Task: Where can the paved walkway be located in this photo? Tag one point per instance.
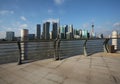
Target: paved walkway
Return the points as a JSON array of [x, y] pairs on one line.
[[95, 69]]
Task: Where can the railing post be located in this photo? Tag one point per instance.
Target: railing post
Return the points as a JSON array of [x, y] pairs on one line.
[[105, 45], [19, 58], [85, 48], [57, 49], [114, 39]]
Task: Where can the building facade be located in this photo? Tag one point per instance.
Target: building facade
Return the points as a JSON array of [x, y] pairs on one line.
[[10, 35], [46, 28], [54, 31], [84, 34], [38, 31]]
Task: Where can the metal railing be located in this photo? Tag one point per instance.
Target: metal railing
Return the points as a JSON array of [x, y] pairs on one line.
[[37, 50], [9, 52]]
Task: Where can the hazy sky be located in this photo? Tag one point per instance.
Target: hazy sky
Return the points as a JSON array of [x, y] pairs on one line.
[[18, 14]]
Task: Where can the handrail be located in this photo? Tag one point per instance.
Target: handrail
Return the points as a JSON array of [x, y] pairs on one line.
[[42, 50], [105, 45]]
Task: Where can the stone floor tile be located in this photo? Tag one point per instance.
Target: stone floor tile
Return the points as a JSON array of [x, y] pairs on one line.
[[55, 78], [3, 81], [45, 81], [73, 81]]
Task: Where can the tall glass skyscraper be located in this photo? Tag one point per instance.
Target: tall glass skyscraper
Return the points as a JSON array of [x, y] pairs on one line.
[[84, 34], [62, 32], [46, 28], [38, 31], [70, 30], [10, 35], [66, 30], [54, 32]]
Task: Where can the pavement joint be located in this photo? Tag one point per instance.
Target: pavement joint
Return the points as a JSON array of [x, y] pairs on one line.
[[100, 68]]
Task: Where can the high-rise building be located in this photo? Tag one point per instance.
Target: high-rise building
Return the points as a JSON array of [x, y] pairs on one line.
[[84, 34], [46, 28], [54, 31], [70, 30], [92, 32], [62, 32], [66, 30], [10, 35], [43, 33], [80, 33], [38, 31]]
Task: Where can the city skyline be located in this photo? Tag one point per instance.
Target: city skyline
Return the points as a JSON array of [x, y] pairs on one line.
[[21, 14], [64, 32]]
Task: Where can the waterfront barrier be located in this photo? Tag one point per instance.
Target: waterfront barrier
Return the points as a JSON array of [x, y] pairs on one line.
[[38, 50]]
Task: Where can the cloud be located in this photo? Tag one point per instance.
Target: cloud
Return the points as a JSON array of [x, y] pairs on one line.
[[23, 26], [23, 18], [58, 2], [61, 12], [50, 11], [6, 12], [117, 24], [86, 25]]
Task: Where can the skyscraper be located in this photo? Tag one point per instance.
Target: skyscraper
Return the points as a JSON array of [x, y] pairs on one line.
[[92, 32], [10, 35], [80, 33], [54, 32], [38, 31], [84, 34], [43, 33], [62, 32], [71, 31], [46, 28], [66, 30]]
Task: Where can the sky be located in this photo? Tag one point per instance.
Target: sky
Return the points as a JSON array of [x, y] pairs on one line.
[[25, 14]]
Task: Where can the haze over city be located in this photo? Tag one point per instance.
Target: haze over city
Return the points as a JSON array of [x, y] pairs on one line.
[[18, 14]]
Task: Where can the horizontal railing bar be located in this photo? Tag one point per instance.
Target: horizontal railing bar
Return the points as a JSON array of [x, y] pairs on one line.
[[9, 54], [2, 42]]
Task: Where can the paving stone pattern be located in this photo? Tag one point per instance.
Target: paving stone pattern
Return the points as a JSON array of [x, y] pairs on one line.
[[100, 68]]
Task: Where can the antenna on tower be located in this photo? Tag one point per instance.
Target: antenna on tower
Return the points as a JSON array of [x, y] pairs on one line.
[[92, 31]]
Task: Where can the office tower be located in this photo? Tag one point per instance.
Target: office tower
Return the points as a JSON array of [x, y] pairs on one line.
[[80, 33], [84, 34], [38, 31], [66, 30], [46, 27], [62, 32], [43, 33], [54, 32], [74, 32], [10, 35], [70, 28], [71, 31]]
